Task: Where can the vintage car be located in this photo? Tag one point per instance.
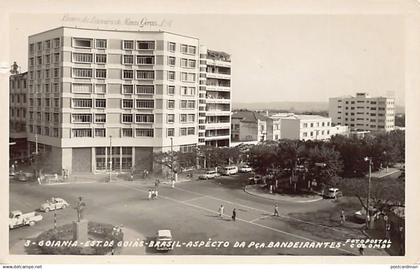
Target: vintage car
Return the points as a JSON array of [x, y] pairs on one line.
[[17, 219], [209, 174], [333, 193], [245, 169], [53, 204], [164, 240]]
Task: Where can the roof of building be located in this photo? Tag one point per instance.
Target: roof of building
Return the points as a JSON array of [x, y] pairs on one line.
[[307, 117], [112, 30], [249, 116]]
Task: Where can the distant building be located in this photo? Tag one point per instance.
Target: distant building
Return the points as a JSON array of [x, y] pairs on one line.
[[18, 94], [339, 130], [304, 127], [249, 126], [363, 113]]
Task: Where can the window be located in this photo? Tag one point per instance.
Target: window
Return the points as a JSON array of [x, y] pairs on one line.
[[56, 72], [305, 134], [145, 45], [39, 45], [145, 59], [100, 73], [82, 57], [56, 117], [145, 103], [31, 48], [191, 118], [82, 73], [171, 60], [101, 118], [56, 102], [100, 88], [82, 103], [127, 118], [31, 61], [128, 89], [191, 49], [47, 102], [183, 118], [101, 58], [127, 103], [171, 46], [56, 57], [100, 103], [82, 132], [81, 118], [191, 130], [187, 90], [46, 131], [47, 59], [100, 132], [47, 73], [101, 43], [144, 132], [141, 74], [127, 132], [184, 62], [183, 103], [191, 104], [39, 60], [170, 118], [191, 63], [184, 48], [128, 74], [183, 131], [171, 75], [170, 132], [171, 90], [82, 43], [188, 77], [171, 104], [128, 59], [55, 132], [145, 89], [144, 118], [128, 44]]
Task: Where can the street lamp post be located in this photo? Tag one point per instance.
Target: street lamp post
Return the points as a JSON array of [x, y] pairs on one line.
[[172, 158], [368, 159], [110, 158]]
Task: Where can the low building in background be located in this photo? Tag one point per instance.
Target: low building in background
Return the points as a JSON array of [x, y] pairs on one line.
[[305, 127], [249, 126], [340, 130]]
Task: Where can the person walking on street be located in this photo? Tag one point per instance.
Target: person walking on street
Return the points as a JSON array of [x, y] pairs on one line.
[[361, 251], [234, 214], [156, 194], [173, 183], [221, 209], [276, 210], [342, 217], [149, 195]]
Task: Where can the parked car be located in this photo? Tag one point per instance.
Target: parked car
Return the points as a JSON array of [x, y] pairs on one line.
[[229, 170], [17, 219], [209, 174], [256, 179], [333, 193], [245, 169], [164, 240], [53, 204], [361, 214]]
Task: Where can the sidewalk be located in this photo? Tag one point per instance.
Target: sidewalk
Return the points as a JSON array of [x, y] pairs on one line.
[[385, 172], [256, 190]]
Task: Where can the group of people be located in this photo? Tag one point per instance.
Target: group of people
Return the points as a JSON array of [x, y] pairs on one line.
[[222, 209], [153, 194]]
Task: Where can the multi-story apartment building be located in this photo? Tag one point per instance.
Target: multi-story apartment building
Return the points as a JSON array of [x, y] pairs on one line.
[[215, 98], [133, 92], [17, 116], [363, 113]]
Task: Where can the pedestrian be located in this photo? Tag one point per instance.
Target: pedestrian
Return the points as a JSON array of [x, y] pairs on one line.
[[156, 194], [342, 217], [234, 214], [388, 230], [361, 250], [173, 183], [149, 195], [276, 210], [221, 209], [39, 180]]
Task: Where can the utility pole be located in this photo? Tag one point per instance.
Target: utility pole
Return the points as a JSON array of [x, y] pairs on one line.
[[110, 158], [368, 159], [36, 156], [172, 158]]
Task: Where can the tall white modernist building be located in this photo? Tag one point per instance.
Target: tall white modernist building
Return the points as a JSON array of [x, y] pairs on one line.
[[363, 113], [137, 91]]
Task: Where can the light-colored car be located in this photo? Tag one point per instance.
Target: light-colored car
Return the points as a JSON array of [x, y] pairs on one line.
[[209, 174], [17, 219], [333, 193], [53, 204], [245, 169], [164, 240], [229, 170]]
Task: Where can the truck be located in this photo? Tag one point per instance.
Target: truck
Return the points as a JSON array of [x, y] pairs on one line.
[[17, 219]]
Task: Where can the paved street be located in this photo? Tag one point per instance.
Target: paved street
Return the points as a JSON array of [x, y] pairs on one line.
[[189, 210]]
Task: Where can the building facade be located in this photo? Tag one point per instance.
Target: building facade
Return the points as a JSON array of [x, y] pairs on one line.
[[101, 98], [305, 127], [18, 92], [215, 98], [250, 126], [363, 113]]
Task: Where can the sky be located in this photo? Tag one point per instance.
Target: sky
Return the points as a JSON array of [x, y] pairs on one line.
[[275, 58]]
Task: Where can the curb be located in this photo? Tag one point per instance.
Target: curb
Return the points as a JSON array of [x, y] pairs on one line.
[[280, 199]]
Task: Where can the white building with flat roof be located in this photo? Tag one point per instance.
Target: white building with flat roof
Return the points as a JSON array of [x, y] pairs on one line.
[[305, 127], [363, 113]]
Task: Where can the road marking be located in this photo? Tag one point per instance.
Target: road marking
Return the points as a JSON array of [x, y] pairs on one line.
[[264, 211], [243, 220]]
